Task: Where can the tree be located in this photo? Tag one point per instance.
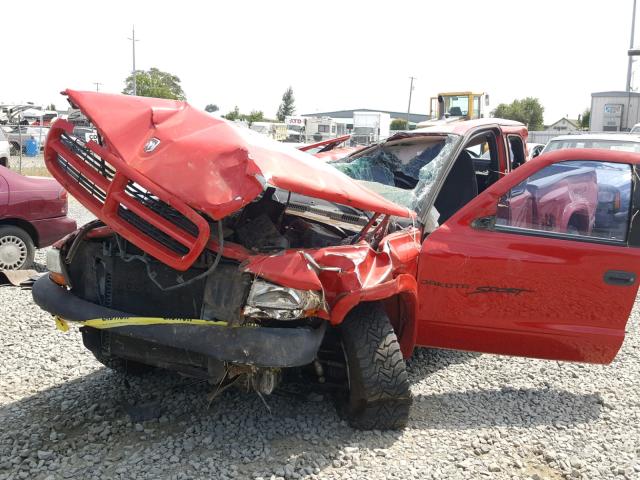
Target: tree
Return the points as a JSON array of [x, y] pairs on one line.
[[212, 107], [254, 116], [155, 83], [398, 124], [233, 114], [287, 107], [585, 119], [528, 111], [51, 106]]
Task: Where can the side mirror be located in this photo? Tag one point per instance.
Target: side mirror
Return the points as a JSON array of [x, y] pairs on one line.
[[535, 153]]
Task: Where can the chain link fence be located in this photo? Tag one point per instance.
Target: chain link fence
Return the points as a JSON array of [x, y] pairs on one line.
[[26, 143]]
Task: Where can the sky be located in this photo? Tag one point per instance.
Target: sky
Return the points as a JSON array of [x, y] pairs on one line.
[[335, 54]]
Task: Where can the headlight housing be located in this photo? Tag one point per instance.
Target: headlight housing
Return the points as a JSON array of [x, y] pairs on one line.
[[268, 300], [55, 267]]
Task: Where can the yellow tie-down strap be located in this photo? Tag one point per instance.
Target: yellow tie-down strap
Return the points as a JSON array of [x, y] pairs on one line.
[[103, 323]]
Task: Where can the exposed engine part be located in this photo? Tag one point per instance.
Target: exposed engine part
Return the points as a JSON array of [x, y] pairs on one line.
[[257, 379], [264, 380], [302, 232], [152, 275], [261, 234]]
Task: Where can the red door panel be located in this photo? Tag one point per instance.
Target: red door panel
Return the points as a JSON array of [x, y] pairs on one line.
[[517, 294]]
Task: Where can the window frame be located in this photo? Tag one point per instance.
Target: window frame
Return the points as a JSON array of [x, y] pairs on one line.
[[633, 227], [509, 150]]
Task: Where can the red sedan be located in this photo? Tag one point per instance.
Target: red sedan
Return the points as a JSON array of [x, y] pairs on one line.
[[33, 214]]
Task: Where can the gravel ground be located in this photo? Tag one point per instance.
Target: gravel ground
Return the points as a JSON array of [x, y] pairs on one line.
[[62, 415]]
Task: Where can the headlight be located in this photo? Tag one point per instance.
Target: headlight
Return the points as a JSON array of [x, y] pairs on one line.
[[268, 300], [54, 265], [54, 262]]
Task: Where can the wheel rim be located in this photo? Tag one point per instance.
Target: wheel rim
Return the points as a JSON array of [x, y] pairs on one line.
[[13, 252]]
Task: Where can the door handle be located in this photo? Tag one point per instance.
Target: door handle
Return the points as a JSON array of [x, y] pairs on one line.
[[619, 278]]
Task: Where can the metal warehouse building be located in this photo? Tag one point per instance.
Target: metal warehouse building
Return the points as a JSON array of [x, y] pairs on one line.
[[614, 111]]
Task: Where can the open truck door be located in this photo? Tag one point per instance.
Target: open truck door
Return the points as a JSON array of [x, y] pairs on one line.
[[544, 263]]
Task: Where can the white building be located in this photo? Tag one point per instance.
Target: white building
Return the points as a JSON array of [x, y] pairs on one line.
[[564, 125], [616, 111]]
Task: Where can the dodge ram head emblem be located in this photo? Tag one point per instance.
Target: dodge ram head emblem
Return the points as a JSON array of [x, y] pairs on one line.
[[151, 145]]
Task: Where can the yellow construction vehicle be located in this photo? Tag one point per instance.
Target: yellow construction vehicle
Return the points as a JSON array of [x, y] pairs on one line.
[[454, 106]]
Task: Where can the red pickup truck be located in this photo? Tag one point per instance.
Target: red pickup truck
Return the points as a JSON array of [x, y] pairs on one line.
[[565, 199], [228, 257]]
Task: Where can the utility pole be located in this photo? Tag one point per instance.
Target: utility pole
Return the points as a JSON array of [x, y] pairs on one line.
[[633, 27], [630, 65], [410, 92], [97, 84], [133, 44]]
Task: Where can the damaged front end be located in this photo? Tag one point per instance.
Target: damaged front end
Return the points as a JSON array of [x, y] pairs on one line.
[[216, 253]]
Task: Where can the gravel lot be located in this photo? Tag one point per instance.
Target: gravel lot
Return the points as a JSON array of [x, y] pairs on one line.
[[62, 415]]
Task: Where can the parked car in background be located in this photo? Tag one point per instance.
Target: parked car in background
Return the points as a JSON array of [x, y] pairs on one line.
[[614, 195], [636, 128], [33, 214], [19, 135], [5, 149], [625, 142], [534, 149]]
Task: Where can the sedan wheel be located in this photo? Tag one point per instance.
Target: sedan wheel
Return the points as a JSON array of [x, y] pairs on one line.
[[16, 248]]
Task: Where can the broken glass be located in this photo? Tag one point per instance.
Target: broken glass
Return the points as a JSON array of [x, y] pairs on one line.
[[402, 170]]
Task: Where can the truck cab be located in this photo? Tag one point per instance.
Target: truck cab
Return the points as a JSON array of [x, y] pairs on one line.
[[456, 106]]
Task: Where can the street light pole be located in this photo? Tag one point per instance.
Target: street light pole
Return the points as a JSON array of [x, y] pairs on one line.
[[97, 84], [633, 27], [133, 44], [410, 92]]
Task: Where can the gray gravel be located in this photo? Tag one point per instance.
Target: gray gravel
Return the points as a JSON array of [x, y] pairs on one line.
[[475, 416]]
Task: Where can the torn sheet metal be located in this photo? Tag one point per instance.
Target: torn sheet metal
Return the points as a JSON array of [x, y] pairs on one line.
[[342, 270], [209, 163]]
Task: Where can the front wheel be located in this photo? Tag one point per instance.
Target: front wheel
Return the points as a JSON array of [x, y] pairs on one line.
[[16, 248], [378, 394]]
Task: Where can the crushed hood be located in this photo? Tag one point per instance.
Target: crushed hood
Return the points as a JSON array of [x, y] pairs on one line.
[[211, 164]]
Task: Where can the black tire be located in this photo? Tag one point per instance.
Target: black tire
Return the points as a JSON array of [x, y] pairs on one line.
[[20, 244], [123, 366], [378, 394]]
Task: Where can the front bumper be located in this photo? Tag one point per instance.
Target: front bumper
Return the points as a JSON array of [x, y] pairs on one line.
[[259, 346]]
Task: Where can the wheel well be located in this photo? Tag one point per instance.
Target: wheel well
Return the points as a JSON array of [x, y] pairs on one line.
[[401, 311], [4, 162], [24, 225]]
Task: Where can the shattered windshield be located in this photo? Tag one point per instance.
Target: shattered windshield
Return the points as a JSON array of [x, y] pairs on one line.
[[402, 170]]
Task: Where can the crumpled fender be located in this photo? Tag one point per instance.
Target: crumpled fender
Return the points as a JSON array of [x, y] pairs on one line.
[[351, 274]]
